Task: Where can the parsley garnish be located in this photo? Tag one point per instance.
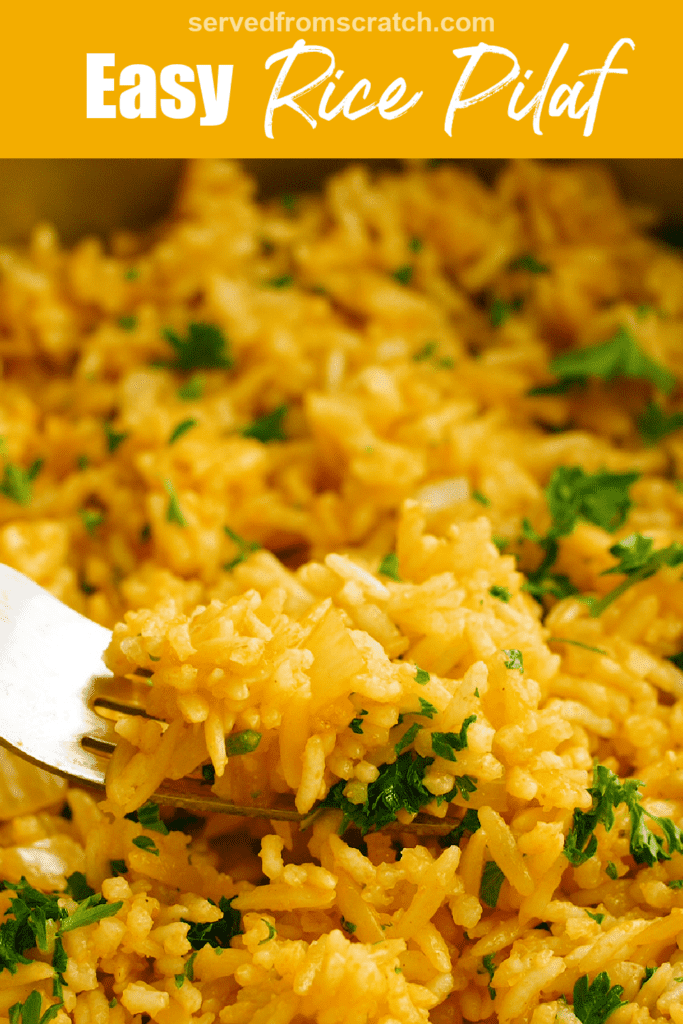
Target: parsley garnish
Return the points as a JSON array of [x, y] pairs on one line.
[[481, 498], [29, 1011], [173, 511], [421, 676], [348, 926], [148, 816], [216, 933], [16, 482], [204, 348], [514, 659], [272, 932], [575, 643], [77, 887], [620, 356], [268, 427], [501, 543], [649, 971], [492, 879], [646, 847], [599, 918], [180, 429], [501, 311], [502, 593], [427, 710], [91, 519], [426, 352], [128, 323], [114, 439], [89, 911], [208, 774], [147, 844], [187, 972], [530, 263], [132, 274], [82, 462], [118, 867], [445, 744], [490, 968], [403, 275], [408, 737], [193, 388], [356, 725], [469, 823], [415, 244], [638, 562], [389, 567], [284, 281], [288, 202], [654, 423], [399, 786], [244, 742], [244, 548], [675, 883], [594, 1003]]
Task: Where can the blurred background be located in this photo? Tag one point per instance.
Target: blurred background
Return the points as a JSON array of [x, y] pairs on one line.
[[93, 196]]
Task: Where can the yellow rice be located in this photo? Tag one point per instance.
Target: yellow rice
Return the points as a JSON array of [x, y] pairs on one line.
[[405, 407]]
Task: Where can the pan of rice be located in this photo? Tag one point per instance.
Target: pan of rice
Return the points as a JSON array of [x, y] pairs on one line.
[[380, 491]]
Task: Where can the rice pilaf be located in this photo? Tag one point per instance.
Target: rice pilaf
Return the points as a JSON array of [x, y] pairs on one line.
[[379, 491]]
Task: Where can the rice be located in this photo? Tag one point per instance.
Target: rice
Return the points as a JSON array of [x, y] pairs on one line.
[[290, 457]]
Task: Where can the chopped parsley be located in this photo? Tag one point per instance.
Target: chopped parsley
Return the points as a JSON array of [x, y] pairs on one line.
[[403, 275], [82, 462], [187, 972], [217, 933], [268, 427], [649, 971], [502, 593], [147, 844], [490, 968], [427, 710], [244, 548], [514, 659], [132, 274], [594, 1003], [192, 388], [348, 926], [117, 867], [481, 498], [501, 543], [244, 742], [283, 281], [408, 737], [208, 774], [272, 932], [637, 561], [16, 482], [421, 676], [501, 311], [607, 792], [575, 643], [598, 918], [288, 202], [399, 786], [173, 510], [205, 347], [426, 352], [675, 883], [389, 567], [89, 911], [148, 817], [113, 437], [77, 887], [128, 323], [620, 356], [611, 871], [469, 823], [180, 429], [356, 725], [530, 263], [492, 879], [445, 744], [415, 244], [28, 1012], [654, 423], [91, 519]]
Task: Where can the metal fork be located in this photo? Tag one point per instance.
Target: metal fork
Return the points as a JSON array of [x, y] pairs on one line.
[[59, 702]]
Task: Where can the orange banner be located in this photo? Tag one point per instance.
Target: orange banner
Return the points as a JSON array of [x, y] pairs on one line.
[[474, 78]]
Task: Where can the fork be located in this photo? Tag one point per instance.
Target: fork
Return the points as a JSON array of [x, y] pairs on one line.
[[59, 702]]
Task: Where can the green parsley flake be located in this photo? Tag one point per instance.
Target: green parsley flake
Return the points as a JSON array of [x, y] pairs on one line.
[[416, 244], [530, 263], [132, 274], [91, 519], [193, 388], [403, 275], [288, 202], [82, 462], [492, 879], [654, 423], [356, 725], [502, 593], [637, 561], [89, 911], [481, 498], [389, 567], [244, 548], [469, 824], [16, 482], [148, 817], [244, 742], [284, 281], [28, 1012], [426, 352], [272, 932], [180, 429], [117, 867], [427, 710], [675, 883], [445, 744], [594, 1003], [490, 968], [128, 323], [514, 659], [268, 427], [147, 844], [348, 926], [421, 676], [173, 511], [77, 887], [114, 438], [408, 737], [649, 971], [501, 311], [208, 774], [204, 348], [620, 356], [575, 643], [598, 918], [501, 543], [217, 934]]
